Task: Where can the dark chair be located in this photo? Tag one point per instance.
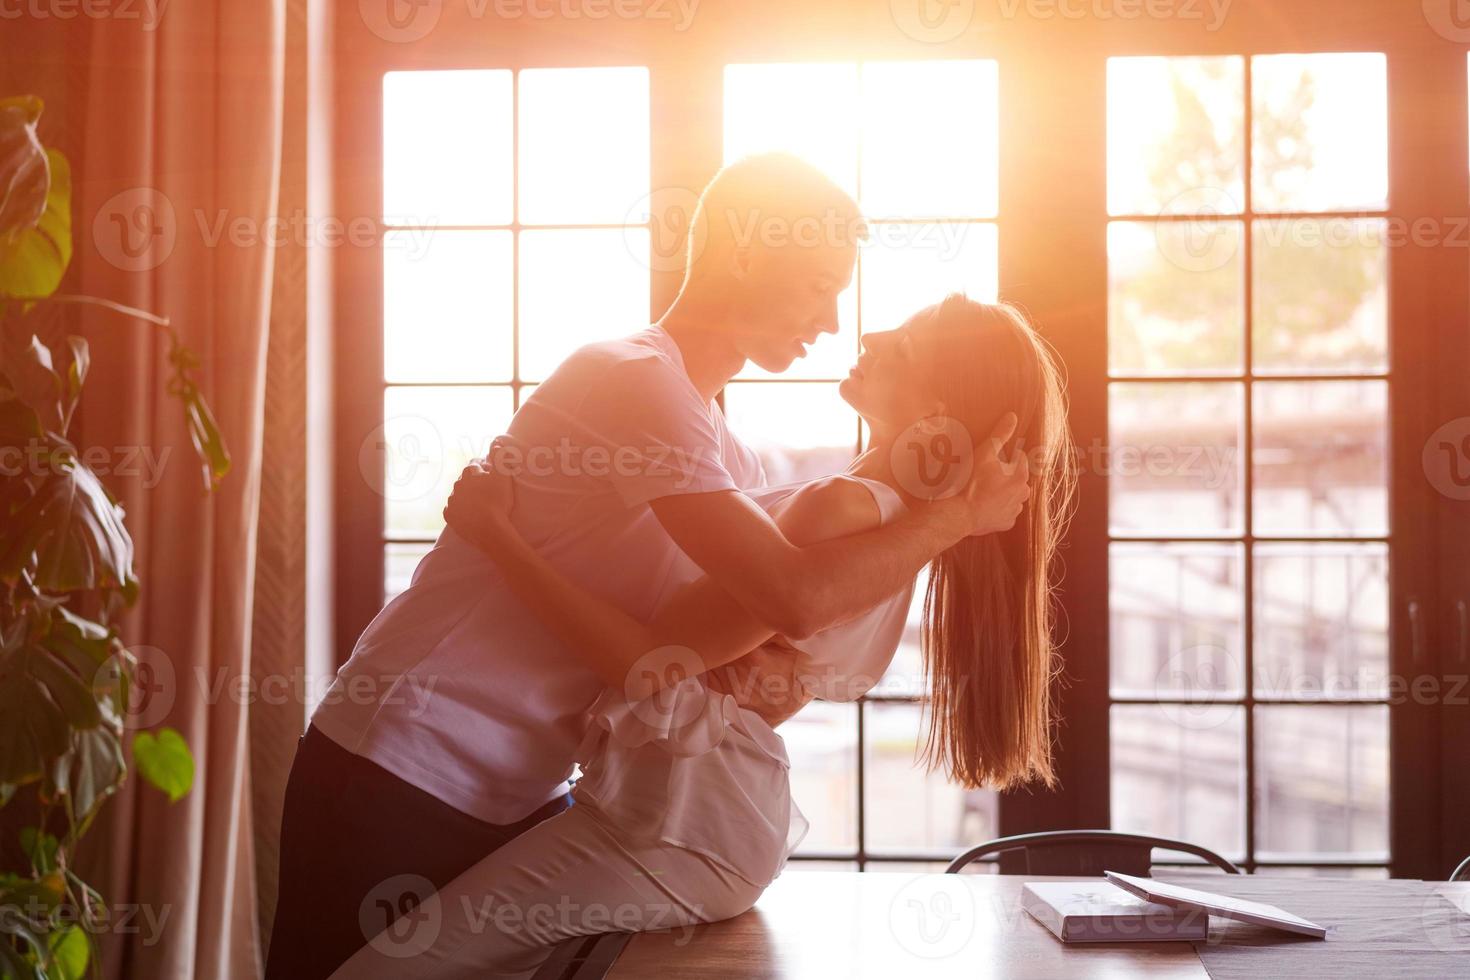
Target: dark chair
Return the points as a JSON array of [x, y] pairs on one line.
[[1085, 852], [1462, 873], [584, 957]]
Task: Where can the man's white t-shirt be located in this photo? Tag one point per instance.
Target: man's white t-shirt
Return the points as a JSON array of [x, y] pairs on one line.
[[455, 687]]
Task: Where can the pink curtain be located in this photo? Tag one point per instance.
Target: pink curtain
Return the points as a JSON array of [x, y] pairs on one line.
[[178, 170]]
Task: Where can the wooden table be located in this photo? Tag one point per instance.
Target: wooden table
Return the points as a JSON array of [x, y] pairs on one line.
[[892, 925]]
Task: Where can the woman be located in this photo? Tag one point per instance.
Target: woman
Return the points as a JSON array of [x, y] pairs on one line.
[[684, 813]]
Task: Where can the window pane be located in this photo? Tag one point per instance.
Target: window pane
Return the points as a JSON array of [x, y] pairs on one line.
[[905, 674], [801, 431], [399, 562], [937, 119], [584, 145], [1320, 297], [447, 305], [1321, 620], [1180, 775], [805, 865], [1174, 462], [1323, 783], [1322, 871], [447, 148], [1176, 297], [428, 436], [915, 867], [1176, 620], [906, 267], [908, 808], [1320, 464], [822, 743], [808, 110], [1319, 138], [578, 286], [1176, 135]]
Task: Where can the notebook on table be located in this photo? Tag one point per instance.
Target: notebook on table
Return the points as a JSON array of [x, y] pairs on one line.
[[1181, 898], [1101, 912]]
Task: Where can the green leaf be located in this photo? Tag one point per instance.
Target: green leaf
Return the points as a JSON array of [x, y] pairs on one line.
[[83, 644], [27, 366], [70, 951], [19, 423], [40, 847], [34, 899], [14, 960], [92, 651], [75, 530], [165, 761], [14, 966], [24, 175], [33, 259], [72, 693], [76, 376], [33, 730], [32, 104], [99, 771], [209, 444]]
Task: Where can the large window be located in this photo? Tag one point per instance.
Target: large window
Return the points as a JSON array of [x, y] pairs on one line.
[[872, 127], [501, 190], [1221, 231], [1248, 358]]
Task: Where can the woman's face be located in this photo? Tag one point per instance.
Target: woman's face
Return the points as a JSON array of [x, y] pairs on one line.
[[890, 386]]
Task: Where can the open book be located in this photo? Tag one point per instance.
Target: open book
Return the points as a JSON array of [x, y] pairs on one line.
[[1183, 899]]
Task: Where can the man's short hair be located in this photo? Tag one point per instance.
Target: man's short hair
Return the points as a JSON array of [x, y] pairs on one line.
[[771, 200]]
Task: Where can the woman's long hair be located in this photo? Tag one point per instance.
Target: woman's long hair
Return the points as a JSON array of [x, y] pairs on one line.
[[989, 619]]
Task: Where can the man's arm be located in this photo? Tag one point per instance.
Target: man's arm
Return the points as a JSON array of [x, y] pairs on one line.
[[709, 627], [798, 590], [765, 681]]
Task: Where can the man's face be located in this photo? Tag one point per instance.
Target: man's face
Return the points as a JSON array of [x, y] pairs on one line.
[[789, 297]]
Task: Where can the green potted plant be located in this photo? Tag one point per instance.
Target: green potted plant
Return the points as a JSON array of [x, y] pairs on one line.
[[66, 576]]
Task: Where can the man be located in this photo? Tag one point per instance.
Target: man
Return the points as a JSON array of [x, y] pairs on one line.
[[627, 461]]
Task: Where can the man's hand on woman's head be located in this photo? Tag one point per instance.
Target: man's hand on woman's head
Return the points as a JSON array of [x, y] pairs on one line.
[[999, 486], [483, 497]]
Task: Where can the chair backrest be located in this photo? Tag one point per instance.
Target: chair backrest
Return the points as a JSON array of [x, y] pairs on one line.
[[1086, 852], [583, 957], [1462, 873]]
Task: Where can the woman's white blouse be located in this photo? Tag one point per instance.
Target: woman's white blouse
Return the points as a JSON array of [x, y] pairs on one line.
[[691, 767]]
